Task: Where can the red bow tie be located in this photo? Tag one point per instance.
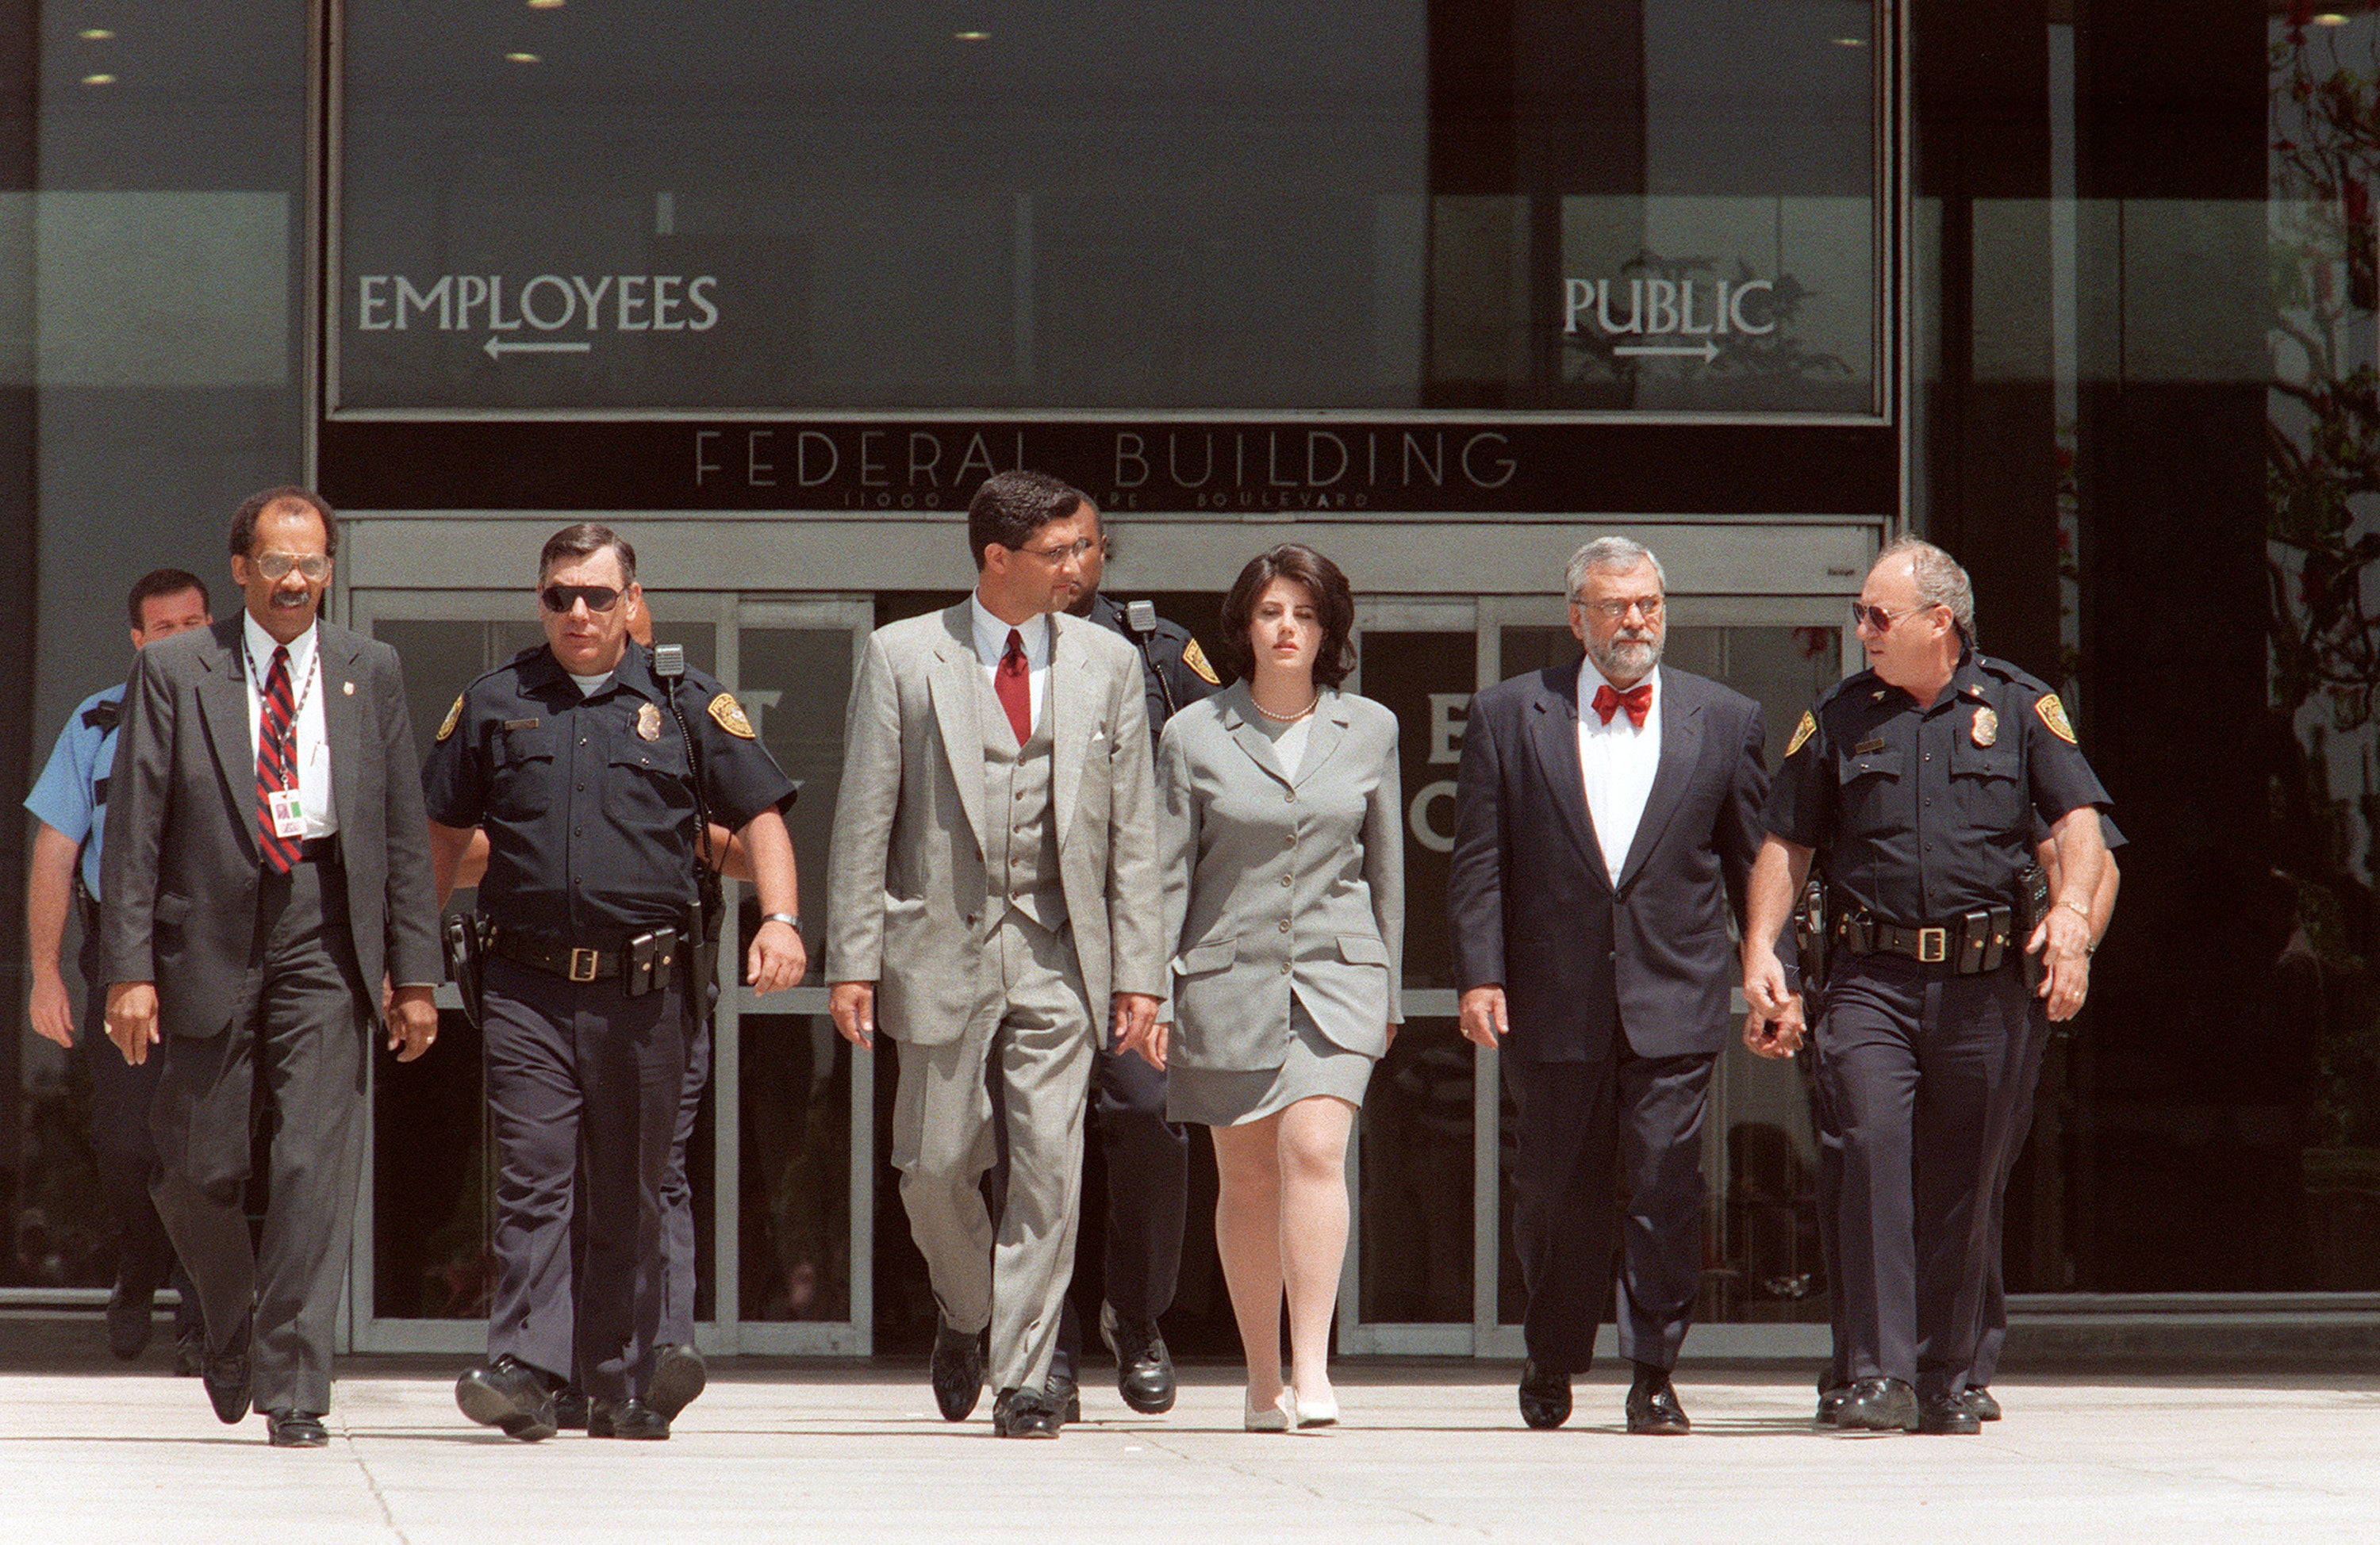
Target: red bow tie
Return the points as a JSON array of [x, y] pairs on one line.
[[1637, 700]]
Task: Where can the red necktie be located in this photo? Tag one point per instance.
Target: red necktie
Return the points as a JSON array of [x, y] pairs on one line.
[[276, 763], [1637, 700], [1014, 683]]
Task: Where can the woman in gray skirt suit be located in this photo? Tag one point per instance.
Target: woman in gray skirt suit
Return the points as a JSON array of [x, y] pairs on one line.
[[1285, 890]]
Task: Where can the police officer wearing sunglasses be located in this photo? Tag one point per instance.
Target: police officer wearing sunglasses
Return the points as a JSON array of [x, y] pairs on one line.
[[592, 779], [1915, 786]]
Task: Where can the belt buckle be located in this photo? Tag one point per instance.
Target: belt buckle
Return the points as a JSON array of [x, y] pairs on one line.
[[1933, 945], [583, 963]]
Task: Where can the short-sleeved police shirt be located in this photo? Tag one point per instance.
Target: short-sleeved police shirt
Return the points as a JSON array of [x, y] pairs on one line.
[[1920, 814], [587, 800], [71, 794], [1169, 657]]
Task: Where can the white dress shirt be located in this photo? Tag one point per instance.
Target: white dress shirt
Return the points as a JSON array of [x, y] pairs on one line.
[[1616, 762], [306, 687], [991, 642]]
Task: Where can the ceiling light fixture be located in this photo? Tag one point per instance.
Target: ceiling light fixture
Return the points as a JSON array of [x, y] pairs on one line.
[[972, 37], [1850, 42], [99, 80], [95, 34], [520, 58], [545, 4], [2331, 18]]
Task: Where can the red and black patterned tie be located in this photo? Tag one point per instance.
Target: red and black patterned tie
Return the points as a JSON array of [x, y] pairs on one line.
[[1014, 683], [276, 763]]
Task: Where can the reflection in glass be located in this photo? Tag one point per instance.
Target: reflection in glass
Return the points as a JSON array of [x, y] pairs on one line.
[[1416, 1152], [795, 1207]]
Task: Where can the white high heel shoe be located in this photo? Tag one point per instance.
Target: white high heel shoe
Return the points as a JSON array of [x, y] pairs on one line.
[[1323, 1412], [1275, 1418]]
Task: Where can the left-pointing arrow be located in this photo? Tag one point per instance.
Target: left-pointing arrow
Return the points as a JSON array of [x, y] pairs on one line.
[[497, 348]]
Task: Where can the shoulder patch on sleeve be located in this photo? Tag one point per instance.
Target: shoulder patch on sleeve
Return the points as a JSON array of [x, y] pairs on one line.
[[1803, 731], [2053, 714], [1196, 658], [729, 715], [453, 716]]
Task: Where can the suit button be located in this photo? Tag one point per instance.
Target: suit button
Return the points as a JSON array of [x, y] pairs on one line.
[[1284, 925], [1284, 968], [1290, 798], [1290, 840], [1287, 880]]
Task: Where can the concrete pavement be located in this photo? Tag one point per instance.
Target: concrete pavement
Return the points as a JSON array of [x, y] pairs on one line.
[[1432, 1452]]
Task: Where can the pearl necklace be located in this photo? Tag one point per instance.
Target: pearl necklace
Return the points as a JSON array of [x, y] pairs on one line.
[[1287, 718]]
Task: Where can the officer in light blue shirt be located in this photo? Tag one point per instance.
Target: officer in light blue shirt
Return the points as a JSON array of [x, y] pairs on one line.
[[70, 801]]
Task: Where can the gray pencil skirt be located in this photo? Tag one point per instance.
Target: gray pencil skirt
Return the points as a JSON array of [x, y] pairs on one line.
[[1227, 1097]]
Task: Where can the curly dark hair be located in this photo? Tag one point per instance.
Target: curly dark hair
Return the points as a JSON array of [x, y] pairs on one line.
[[1010, 506], [1333, 602]]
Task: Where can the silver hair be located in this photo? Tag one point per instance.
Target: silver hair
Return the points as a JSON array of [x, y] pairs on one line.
[[1941, 581], [1610, 553]]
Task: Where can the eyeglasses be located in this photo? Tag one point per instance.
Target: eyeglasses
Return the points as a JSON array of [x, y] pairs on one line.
[[1055, 556], [562, 598], [1879, 621], [276, 566], [1612, 612]]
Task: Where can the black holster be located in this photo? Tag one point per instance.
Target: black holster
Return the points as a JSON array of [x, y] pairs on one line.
[[459, 935], [1811, 938], [2032, 906]]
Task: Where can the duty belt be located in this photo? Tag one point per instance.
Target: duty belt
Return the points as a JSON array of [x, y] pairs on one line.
[[1976, 941], [644, 963]]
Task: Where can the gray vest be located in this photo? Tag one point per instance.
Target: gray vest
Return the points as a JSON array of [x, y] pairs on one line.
[[1020, 850]]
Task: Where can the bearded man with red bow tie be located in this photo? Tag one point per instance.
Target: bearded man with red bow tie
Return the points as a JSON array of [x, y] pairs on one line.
[[1608, 817]]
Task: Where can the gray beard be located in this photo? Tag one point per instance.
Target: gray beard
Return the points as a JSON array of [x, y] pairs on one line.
[[1624, 657]]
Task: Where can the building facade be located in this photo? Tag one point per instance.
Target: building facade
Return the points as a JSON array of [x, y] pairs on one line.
[[2083, 291]]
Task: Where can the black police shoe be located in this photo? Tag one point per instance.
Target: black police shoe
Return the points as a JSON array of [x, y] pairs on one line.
[[1144, 1367], [510, 1396], [1544, 1397], [1942, 1413], [679, 1374], [1024, 1414], [1066, 1396], [570, 1408], [958, 1371], [294, 1430], [630, 1418], [1979, 1400], [1652, 1405], [1830, 1401], [1878, 1406]]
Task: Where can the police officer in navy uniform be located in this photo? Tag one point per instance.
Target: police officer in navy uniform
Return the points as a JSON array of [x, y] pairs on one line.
[[69, 801], [575, 760], [1148, 1157], [1915, 784]]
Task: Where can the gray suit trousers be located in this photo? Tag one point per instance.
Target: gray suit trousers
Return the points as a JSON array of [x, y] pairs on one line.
[[296, 1063], [1011, 1272]]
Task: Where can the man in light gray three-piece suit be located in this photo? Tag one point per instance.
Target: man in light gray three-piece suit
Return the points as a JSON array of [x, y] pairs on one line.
[[267, 870], [995, 904]]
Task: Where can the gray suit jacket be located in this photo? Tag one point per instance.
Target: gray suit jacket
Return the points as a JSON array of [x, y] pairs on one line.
[[912, 906], [181, 867], [1278, 884]]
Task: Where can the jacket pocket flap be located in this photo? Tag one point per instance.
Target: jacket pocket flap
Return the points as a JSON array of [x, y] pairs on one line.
[[1361, 949], [170, 907], [1213, 955]]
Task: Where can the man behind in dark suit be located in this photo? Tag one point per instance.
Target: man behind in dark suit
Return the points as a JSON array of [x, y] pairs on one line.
[[1596, 860], [267, 867]]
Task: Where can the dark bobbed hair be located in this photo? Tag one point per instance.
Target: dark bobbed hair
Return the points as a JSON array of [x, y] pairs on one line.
[[1010, 506], [1333, 602], [585, 540], [164, 581], [253, 509]]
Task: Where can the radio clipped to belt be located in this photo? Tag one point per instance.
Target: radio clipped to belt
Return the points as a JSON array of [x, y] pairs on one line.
[[1811, 939], [702, 956], [2032, 906]]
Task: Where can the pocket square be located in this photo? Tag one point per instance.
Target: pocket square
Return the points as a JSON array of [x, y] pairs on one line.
[[1098, 735]]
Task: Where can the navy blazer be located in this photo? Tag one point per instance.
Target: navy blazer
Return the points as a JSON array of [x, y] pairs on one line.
[[1531, 902]]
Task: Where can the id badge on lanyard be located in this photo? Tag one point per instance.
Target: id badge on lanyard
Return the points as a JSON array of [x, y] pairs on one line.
[[288, 811]]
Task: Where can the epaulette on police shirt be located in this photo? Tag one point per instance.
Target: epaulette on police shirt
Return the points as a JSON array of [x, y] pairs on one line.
[[104, 716]]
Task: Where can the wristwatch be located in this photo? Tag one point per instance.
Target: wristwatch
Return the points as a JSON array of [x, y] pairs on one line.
[[791, 920]]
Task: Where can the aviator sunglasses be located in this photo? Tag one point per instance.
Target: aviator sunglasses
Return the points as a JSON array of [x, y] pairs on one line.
[[562, 598]]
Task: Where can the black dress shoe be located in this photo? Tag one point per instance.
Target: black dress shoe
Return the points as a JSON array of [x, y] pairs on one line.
[[225, 1376], [294, 1430], [190, 1351], [131, 1318], [570, 1408], [1544, 1397], [1653, 1406], [958, 1371], [1144, 1367], [1066, 1396], [1024, 1414], [1830, 1403], [1979, 1400], [510, 1395], [1942, 1413], [679, 1374], [625, 1418], [1878, 1406]]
